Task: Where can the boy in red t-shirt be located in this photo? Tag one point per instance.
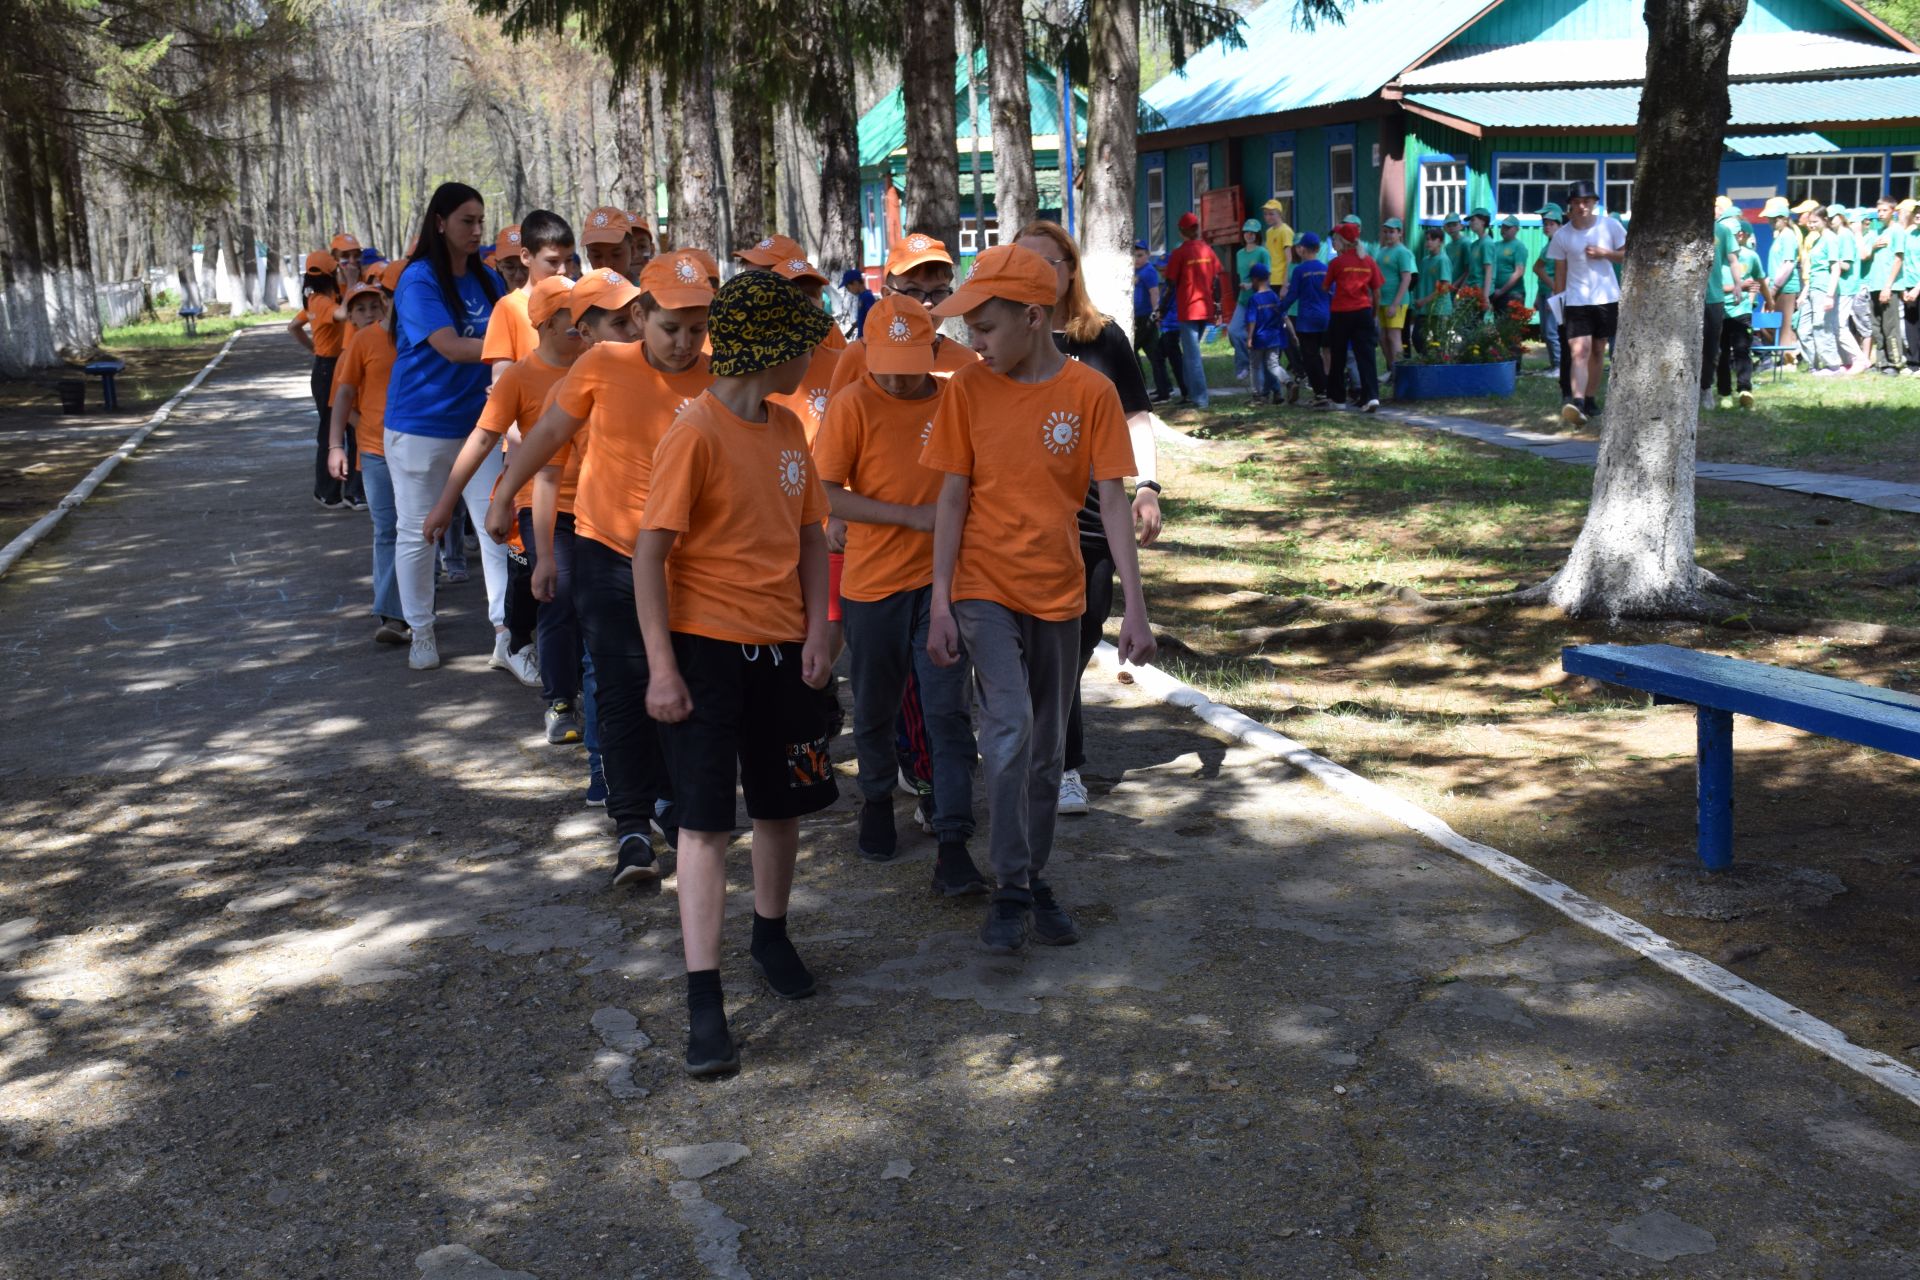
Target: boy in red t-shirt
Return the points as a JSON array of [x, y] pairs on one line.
[[1354, 280], [1194, 272]]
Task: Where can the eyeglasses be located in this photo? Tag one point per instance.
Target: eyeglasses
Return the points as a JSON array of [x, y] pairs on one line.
[[925, 296]]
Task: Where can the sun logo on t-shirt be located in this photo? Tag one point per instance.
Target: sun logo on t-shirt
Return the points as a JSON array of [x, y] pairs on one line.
[[926, 433], [919, 244], [1061, 432], [817, 403], [900, 330], [686, 271], [793, 472], [681, 407]]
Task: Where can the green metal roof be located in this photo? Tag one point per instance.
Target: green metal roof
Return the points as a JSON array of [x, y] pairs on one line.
[[1617, 107], [1780, 144], [1283, 68], [883, 130]]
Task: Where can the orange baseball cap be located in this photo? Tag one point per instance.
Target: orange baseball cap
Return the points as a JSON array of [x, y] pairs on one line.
[[798, 269], [508, 245], [605, 225], [1004, 271], [608, 290], [343, 243], [637, 223], [770, 250], [362, 289], [678, 279], [899, 336], [706, 260], [547, 297], [915, 251], [391, 272], [374, 273], [321, 264]]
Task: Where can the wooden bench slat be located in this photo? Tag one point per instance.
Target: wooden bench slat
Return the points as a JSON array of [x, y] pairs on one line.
[[1883, 719]]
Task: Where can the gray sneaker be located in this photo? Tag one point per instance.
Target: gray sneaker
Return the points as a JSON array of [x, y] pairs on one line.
[[424, 652], [563, 723]]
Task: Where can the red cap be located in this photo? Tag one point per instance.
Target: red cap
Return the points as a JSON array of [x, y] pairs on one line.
[[1189, 221]]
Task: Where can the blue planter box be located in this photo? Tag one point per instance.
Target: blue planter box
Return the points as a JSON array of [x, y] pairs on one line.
[[1439, 381]]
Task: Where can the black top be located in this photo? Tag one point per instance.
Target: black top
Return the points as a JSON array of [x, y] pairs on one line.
[[1110, 353]]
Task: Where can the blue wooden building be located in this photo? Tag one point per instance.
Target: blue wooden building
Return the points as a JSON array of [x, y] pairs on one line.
[[1421, 110], [883, 157]]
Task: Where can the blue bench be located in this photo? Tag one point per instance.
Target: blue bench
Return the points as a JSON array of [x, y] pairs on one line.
[[106, 370], [1717, 687], [191, 315]]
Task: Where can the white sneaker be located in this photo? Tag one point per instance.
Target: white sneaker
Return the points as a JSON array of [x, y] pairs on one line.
[[1073, 793], [524, 666], [424, 652], [498, 660], [1370, 406]]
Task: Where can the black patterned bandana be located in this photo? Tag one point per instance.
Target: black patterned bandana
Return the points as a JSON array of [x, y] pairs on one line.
[[758, 321]]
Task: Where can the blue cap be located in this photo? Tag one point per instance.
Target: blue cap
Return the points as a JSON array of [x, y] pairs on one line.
[[1141, 245], [1258, 271], [850, 276], [1309, 241]]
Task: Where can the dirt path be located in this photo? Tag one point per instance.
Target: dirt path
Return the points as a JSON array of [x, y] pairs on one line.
[[308, 969]]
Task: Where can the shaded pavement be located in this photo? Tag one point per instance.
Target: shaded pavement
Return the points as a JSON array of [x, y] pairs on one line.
[[307, 968]]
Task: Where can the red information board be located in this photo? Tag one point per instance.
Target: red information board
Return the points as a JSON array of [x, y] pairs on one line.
[[1222, 212]]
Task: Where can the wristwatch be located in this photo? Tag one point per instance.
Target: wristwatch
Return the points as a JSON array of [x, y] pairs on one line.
[[1146, 484]]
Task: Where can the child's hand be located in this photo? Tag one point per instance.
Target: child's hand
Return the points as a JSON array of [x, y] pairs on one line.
[[1137, 644], [816, 662], [439, 516], [337, 463], [667, 697], [943, 640], [923, 518], [1146, 516], [836, 534], [545, 577], [499, 517]]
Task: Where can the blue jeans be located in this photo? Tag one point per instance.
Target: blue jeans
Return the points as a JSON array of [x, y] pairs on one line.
[[557, 629], [590, 713], [1237, 335], [453, 543], [1268, 376], [1196, 373], [1550, 334], [386, 589]]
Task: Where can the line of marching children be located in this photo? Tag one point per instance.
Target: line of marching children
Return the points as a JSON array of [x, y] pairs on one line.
[[712, 490]]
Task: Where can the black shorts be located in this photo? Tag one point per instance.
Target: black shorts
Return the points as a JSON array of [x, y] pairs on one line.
[[752, 716], [1601, 321]]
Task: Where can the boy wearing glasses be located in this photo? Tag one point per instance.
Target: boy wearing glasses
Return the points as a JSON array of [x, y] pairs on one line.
[[918, 267]]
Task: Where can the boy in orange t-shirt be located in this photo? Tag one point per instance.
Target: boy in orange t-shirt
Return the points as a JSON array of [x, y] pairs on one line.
[[1018, 435], [920, 268], [360, 406], [730, 576], [626, 395], [868, 453], [320, 328], [544, 242]]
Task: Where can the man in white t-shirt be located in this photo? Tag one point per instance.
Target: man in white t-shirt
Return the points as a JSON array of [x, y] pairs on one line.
[[1583, 253]]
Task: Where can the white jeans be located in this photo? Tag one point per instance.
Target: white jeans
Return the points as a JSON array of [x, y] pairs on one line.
[[419, 466]]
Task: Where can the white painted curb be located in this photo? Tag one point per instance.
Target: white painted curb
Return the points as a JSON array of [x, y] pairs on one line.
[[40, 528], [1702, 973]]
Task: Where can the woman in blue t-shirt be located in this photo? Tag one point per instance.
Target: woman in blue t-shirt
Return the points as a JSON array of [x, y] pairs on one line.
[[441, 308]]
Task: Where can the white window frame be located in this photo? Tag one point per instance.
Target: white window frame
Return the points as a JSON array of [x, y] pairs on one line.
[[1335, 189], [970, 235], [1528, 181], [1823, 175], [1199, 181], [1284, 194], [1443, 189], [1157, 208], [1625, 208], [1903, 176]]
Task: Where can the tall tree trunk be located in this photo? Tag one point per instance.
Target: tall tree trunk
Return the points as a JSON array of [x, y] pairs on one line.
[[1634, 556], [830, 107], [699, 193], [1113, 94], [751, 117], [1016, 197], [933, 178], [973, 139]]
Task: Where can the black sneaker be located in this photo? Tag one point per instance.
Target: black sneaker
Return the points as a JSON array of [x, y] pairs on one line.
[[712, 1054], [1052, 926], [635, 860], [954, 875], [878, 843], [786, 973], [1004, 931]]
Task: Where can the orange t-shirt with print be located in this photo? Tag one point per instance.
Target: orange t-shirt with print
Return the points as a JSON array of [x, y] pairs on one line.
[[510, 336], [366, 366], [949, 358], [809, 401], [1028, 448], [871, 444], [346, 341], [567, 457], [835, 340], [329, 335], [517, 398], [738, 493], [628, 405]]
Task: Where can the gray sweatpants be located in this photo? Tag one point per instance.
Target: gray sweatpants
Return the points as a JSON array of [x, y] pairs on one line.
[[1025, 671], [886, 643]]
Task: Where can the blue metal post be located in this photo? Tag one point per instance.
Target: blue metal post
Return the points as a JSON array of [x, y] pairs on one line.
[[1716, 787], [1066, 147]]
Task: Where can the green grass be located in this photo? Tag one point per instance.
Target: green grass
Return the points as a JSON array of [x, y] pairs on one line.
[[169, 331]]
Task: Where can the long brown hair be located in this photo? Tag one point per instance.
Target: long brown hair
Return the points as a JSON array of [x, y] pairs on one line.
[[1075, 313]]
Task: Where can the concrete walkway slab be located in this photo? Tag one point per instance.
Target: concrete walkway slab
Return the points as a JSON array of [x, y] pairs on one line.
[[1297, 1041]]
